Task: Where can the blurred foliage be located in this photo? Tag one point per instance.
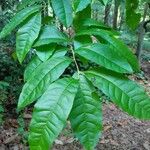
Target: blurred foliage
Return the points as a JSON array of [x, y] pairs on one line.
[[7, 10], [10, 79], [3, 97]]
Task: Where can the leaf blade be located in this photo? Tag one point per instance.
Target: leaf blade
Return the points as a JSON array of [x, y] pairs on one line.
[[46, 73], [36, 62], [120, 47], [105, 55], [31, 67], [51, 111], [26, 36], [125, 93], [50, 34], [63, 11], [86, 114], [15, 21], [45, 52]]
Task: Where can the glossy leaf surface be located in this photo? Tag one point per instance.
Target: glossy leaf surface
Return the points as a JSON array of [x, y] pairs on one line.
[[51, 113], [80, 16], [120, 47], [45, 52], [88, 22], [106, 56], [26, 36], [125, 93], [86, 114], [63, 10], [81, 41], [50, 34], [36, 62], [48, 72], [60, 51], [31, 67], [17, 19]]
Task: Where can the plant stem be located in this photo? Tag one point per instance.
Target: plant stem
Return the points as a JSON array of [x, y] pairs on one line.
[[75, 61], [73, 53]]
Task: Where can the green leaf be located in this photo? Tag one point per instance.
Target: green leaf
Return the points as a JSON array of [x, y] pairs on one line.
[[51, 113], [77, 22], [89, 22], [31, 67], [45, 74], [60, 51], [50, 34], [63, 11], [96, 31], [36, 62], [81, 41], [86, 114], [131, 6], [118, 45], [17, 19], [79, 5], [128, 95], [44, 52], [106, 56], [26, 36]]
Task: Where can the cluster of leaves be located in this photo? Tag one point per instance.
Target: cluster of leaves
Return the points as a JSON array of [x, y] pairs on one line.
[[8, 7], [6, 11], [131, 7], [74, 97]]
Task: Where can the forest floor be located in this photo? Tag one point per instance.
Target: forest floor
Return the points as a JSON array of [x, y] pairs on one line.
[[121, 132]]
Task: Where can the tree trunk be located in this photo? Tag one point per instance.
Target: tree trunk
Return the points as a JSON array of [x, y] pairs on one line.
[[115, 18], [2, 5], [61, 27], [122, 16], [107, 13], [141, 34], [96, 14]]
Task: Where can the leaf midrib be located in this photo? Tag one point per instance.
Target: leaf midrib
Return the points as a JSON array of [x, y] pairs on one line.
[[28, 34], [51, 112], [129, 99], [42, 79], [113, 62], [85, 116]]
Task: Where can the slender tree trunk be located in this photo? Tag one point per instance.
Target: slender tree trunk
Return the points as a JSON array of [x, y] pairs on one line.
[[141, 34], [2, 5], [61, 27], [116, 11], [96, 14], [0, 8], [107, 13], [122, 16]]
